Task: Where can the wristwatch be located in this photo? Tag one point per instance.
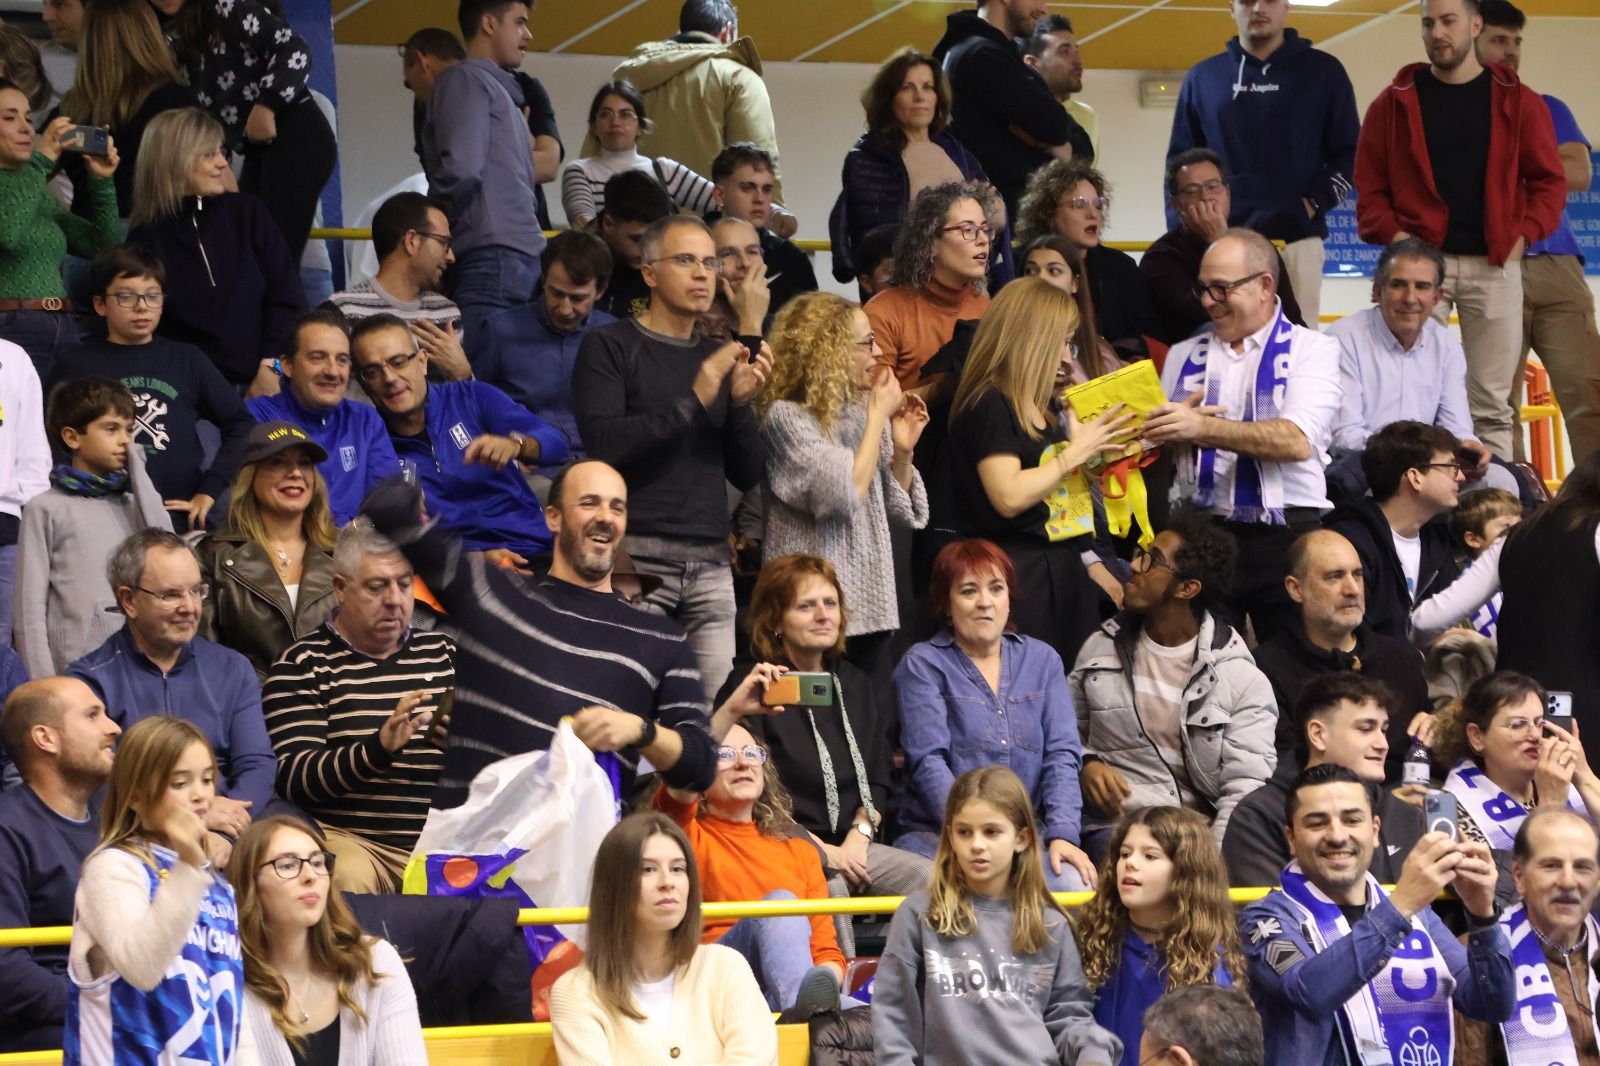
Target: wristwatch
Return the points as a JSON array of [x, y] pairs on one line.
[[647, 735], [522, 442], [866, 830]]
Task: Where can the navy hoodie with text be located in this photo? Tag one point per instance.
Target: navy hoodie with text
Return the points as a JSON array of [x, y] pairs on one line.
[[1286, 128]]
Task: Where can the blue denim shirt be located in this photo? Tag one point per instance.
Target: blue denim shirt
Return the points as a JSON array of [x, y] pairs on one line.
[[950, 722]]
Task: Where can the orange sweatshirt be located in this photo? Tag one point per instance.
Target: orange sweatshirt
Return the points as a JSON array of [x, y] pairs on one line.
[[911, 325], [737, 862]]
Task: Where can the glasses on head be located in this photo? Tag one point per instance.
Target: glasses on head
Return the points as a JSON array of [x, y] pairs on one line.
[[688, 261], [1079, 203], [969, 230], [129, 300], [374, 373], [440, 237], [288, 867], [173, 597], [1199, 189], [1144, 561], [1219, 290], [1454, 469], [752, 754]]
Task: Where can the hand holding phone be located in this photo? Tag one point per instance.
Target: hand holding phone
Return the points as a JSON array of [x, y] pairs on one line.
[[799, 689], [1558, 710], [86, 140], [1439, 814]]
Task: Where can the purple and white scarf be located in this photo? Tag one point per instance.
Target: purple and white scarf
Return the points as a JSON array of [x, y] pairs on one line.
[[1257, 486], [1537, 1034], [1403, 1014], [1494, 811]]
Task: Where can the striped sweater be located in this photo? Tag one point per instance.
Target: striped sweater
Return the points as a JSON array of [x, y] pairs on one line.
[[325, 702], [583, 183]]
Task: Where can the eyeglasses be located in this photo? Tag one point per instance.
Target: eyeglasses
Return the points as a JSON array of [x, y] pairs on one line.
[[1523, 725], [374, 372], [1144, 561], [752, 754], [288, 867], [867, 343], [172, 598], [1454, 468], [1219, 290], [1078, 203], [1204, 188], [129, 300], [441, 238], [605, 114], [969, 230], [688, 261]]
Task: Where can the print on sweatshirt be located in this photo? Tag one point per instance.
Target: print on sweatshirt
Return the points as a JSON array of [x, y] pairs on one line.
[[976, 975]]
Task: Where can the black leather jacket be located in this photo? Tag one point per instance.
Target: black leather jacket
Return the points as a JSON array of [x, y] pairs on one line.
[[248, 609]]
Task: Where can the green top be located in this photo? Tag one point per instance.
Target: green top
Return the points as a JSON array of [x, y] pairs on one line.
[[36, 232]]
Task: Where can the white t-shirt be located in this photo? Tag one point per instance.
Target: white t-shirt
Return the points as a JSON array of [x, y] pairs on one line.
[[1410, 551], [294, 595], [655, 998]]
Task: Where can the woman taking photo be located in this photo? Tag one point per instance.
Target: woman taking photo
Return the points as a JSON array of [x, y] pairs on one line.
[[1160, 919], [980, 693], [317, 989], [233, 290], [155, 959], [840, 436], [908, 147], [648, 992], [270, 566], [1011, 461]]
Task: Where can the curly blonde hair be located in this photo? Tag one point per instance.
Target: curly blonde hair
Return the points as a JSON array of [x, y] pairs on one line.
[[1036, 212], [1203, 927], [813, 357]]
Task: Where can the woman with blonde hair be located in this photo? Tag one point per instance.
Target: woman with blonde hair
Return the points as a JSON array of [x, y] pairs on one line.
[[1160, 919], [270, 566], [317, 989], [1011, 462], [233, 291], [648, 992], [840, 435]]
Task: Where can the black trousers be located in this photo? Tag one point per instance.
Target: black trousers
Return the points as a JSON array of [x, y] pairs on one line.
[[288, 174]]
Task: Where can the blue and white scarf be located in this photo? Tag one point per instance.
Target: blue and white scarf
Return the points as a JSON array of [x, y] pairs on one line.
[[1495, 813], [1257, 486], [1402, 1015], [1537, 1033]]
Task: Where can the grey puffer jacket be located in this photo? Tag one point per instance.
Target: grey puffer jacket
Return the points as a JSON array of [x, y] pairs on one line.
[[1230, 719]]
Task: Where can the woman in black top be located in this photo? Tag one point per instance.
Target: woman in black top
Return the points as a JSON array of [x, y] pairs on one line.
[[1012, 465]]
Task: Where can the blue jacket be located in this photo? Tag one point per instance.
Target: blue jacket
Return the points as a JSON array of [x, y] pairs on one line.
[[1299, 1006], [950, 722], [212, 686], [1286, 129], [488, 508], [353, 435], [523, 356], [1135, 985]]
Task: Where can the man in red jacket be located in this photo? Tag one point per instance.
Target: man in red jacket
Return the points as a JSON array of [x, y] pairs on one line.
[[1464, 156]]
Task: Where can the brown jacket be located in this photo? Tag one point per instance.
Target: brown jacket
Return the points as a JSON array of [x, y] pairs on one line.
[[248, 609], [1480, 1043]]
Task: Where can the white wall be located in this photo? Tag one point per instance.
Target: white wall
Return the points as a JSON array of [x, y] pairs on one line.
[[818, 115]]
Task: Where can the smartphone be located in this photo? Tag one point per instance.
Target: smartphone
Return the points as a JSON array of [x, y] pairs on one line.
[[1439, 814], [800, 690], [1558, 710], [752, 345], [86, 140]]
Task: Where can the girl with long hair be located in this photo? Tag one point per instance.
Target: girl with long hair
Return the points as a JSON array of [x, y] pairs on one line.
[[1160, 919], [270, 566], [155, 959], [982, 969], [317, 989], [649, 992]]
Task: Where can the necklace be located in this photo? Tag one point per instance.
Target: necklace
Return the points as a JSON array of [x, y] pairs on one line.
[[284, 559], [300, 998]]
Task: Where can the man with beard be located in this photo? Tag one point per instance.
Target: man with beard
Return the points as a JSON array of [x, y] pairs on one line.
[[62, 741], [1553, 937], [1052, 50], [534, 652], [349, 709], [1464, 156], [1344, 973]]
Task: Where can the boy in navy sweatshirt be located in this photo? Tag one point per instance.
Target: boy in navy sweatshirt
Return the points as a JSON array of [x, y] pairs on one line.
[[174, 385]]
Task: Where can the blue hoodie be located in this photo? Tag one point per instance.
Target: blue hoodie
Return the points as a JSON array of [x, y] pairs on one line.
[[359, 452], [1286, 129], [1135, 985]]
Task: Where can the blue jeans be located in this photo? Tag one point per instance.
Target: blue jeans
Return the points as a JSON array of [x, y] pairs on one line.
[[699, 597], [487, 280], [777, 949], [42, 334]]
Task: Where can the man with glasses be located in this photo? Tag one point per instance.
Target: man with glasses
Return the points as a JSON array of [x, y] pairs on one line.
[[1415, 472], [316, 373], [744, 296], [670, 409], [1171, 708], [156, 664], [351, 710], [1253, 397], [745, 178], [463, 442], [1197, 191]]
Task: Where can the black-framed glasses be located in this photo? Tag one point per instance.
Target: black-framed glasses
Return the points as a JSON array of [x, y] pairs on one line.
[[969, 230], [288, 867], [688, 261], [751, 753], [1199, 189], [1144, 561], [374, 372], [129, 300], [440, 237], [1218, 290], [1454, 468], [173, 597]]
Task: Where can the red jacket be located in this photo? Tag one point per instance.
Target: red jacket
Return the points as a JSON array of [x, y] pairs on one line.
[[1524, 188]]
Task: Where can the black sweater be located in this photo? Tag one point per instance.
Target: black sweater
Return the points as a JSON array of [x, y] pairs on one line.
[[174, 386], [1388, 600], [633, 395], [1121, 301]]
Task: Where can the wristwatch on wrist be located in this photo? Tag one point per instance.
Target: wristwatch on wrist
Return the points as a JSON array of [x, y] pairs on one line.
[[522, 442], [866, 830], [647, 735]]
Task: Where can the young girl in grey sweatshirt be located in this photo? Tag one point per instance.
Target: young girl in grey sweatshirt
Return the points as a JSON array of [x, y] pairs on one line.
[[982, 969]]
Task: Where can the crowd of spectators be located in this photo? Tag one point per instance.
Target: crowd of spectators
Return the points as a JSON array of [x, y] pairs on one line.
[[837, 589]]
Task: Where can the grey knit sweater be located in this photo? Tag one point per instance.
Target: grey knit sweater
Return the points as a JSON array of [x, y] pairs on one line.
[[812, 507]]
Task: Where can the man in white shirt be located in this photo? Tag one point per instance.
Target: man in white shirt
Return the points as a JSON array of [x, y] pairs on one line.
[[24, 462], [1255, 398]]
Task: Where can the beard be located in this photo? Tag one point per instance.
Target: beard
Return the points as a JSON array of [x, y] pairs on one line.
[[590, 561], [1454, 58]]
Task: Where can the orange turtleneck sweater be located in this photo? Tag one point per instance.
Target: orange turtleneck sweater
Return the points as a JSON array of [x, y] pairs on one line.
[[912, 324]]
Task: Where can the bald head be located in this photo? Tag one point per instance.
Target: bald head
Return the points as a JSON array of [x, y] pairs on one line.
[[58, 722], [1239, 275], [1326, 580], [1317, 547], [1556, 868], [1249, 249]]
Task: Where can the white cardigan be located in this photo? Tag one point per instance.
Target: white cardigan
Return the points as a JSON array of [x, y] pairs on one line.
[[391, 1036]]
